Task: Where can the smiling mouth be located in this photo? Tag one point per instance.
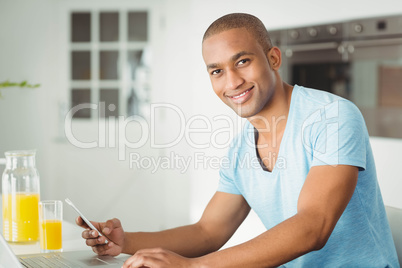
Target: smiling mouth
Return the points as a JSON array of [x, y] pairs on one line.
[[241, 94]]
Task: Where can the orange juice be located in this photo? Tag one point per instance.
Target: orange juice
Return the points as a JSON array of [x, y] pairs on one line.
[[50, 235], [20, 217]]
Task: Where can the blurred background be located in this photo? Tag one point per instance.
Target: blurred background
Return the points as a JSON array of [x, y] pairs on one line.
[[142, 58]]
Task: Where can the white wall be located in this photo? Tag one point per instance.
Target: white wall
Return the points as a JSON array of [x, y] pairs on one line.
[[387, 159], [26, 53], [32, 47]]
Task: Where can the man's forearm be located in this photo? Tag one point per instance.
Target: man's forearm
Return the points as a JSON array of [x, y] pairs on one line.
[[188, 241], [285, 242]]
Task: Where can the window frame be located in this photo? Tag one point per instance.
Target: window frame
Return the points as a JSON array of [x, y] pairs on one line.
[[124, 83]]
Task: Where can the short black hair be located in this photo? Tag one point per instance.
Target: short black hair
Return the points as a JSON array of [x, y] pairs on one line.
[[241, 20]]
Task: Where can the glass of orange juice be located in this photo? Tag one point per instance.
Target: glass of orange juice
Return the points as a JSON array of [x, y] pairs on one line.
[[50, 225]]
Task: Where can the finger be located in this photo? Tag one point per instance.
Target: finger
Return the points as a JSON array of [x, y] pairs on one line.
[[152, 250], [140, 260], [88, 234], [80, 222], [100, 249], [110, 225], [93, 242], [105, 249], [101, 239]]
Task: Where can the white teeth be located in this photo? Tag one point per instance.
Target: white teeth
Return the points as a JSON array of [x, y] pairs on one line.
[[241, 95]]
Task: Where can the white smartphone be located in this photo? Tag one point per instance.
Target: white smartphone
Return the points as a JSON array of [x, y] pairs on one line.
[[68, 201]]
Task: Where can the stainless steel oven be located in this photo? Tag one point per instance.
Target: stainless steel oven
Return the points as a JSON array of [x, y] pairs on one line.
[[360, 60]]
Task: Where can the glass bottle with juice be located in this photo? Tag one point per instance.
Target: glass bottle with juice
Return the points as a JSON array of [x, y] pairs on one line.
[[20, 191]]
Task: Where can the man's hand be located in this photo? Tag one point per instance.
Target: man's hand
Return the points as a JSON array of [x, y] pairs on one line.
[[112, 229], [157, 258]]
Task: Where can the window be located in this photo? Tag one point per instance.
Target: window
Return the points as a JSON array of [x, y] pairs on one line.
[[110, 59]]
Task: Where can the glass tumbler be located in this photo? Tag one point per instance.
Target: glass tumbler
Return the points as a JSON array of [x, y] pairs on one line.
[[50, 225]]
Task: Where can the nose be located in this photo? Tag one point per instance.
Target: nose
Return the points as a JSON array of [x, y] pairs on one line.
[[233, 80]]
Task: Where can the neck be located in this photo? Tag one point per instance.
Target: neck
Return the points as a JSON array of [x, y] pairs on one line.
[[271, 120]]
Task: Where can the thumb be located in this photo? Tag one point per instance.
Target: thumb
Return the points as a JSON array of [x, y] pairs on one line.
[[110, 225]]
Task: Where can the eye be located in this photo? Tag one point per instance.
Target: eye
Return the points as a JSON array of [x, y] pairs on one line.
[[243, 61], [215, 72]]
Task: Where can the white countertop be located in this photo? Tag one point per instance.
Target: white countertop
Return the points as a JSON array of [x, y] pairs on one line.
[[71, 241]]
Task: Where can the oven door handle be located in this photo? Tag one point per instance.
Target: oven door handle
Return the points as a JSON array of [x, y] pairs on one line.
[[289, 50], [335, 45], [374, 42], [312, 46]]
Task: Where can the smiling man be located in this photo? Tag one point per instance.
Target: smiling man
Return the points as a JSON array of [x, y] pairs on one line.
[[321, 208]]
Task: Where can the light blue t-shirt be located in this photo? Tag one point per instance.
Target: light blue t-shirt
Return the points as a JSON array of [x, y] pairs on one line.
[[322, 129]]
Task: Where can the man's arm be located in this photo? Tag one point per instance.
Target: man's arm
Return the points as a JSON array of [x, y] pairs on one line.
[[221, 218], [323, 198]]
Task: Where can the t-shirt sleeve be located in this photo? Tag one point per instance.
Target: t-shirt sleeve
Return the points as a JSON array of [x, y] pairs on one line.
[[226, 184], [339, 137]]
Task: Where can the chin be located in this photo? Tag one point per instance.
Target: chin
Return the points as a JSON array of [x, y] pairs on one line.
[[244, 113]]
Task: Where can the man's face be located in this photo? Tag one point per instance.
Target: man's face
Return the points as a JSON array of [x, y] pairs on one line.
[[239, 70]]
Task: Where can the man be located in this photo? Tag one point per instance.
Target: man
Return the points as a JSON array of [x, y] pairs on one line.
[[315, 188]]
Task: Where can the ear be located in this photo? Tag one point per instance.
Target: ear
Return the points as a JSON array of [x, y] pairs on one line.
[[274, 56]]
